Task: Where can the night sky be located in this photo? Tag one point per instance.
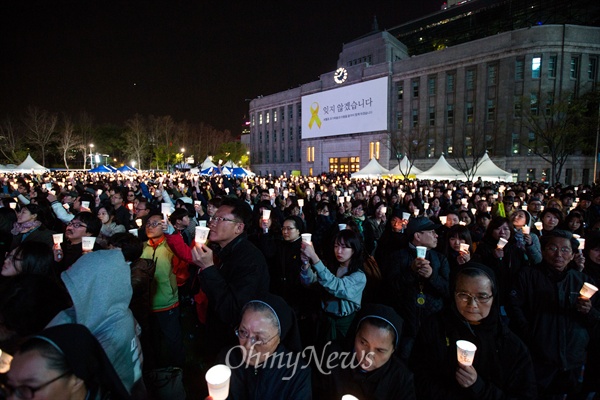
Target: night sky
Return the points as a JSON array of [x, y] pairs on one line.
[[194, 60]]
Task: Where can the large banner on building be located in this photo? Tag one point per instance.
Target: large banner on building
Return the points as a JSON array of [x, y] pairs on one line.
[[362, 107]]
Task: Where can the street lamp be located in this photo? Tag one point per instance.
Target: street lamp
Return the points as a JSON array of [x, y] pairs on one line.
[[92, 155]]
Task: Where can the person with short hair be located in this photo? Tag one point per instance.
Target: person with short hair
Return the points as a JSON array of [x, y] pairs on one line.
[[548, 313], [84, 224], [417, 287]]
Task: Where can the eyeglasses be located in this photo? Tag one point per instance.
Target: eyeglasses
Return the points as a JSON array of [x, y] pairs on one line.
[[254, 341], [480, 298], [11, 257], [217, 220], [563, 250], [287, 228], [77, 225], [154, 224], [28, 392], [358, 209], [140, 209]]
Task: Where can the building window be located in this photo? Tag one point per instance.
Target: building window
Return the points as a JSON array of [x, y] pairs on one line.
[[568, 176], [491, 109], [517, 107], [492, 74], [253, 120], [515, 145], [450, 83], [519, 70], [534, 103], [310, 154], [282, 113], [431, 116], [274, 115], [515, 174], [592, 68], [275, 136], [574, 74], [344, 165], [549, 102], [415, 87], [431, 86], [536, 67], [530, 143], [260, 136], [450, 114], [585, 176], [552, 67], [267, 136], [469, 145], [400, 89], [415, 118], [430, 148], [291, 133], [470, 79], [267, 117], [260, 117], [291, 112], [399, 121], [374, 150], [530, 174], [299, 113], [470, 112]]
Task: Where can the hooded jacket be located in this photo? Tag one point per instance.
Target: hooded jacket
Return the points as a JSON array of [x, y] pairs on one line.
[[503, 364], [100, 286]]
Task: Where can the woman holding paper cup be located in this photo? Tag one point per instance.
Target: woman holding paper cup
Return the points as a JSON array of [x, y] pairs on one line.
[[521, 223], [343, 281], [501, 367], [459, 247], [498, 251]]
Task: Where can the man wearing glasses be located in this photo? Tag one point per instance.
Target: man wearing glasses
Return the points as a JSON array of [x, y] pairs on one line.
[[235, 276], [553, 319], [83, 224]]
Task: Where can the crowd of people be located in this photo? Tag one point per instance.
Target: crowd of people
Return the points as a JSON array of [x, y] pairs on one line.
[[380, 277]]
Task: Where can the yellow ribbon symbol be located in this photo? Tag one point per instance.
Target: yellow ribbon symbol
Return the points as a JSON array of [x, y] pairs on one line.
[[314, 116]]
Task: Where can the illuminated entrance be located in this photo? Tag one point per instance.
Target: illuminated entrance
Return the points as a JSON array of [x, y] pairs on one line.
[[344, 165]]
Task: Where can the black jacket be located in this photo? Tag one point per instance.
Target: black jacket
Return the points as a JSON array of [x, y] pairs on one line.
[[542, 312], [240, 276], [405, 287], [392, 381], [503, 365], [282, 376]]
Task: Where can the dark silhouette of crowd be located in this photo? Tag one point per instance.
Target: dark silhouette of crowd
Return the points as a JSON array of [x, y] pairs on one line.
[[306, 287]]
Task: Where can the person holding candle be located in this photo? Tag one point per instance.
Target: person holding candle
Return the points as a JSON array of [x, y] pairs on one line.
[[502, 367], [416, 286], [459, 247], [551, 218], [84, 224], [342, 279], [521, 224], [551, 317]]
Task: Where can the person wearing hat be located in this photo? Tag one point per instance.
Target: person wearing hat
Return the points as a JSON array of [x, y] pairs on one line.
[[418, 286], [502, 366], [63, 362], [375, 371], [266, 363]]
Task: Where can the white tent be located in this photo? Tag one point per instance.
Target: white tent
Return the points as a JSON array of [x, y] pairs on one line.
[[207, 163], [441, 171], [488, 171], [29, 165], [402, 167], [372, 170]]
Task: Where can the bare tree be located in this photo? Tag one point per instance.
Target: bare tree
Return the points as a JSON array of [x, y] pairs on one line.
[[136, 139], [407, 143], [559, 130], [10, 139], [68, 139], [468, 157], [41, 127]]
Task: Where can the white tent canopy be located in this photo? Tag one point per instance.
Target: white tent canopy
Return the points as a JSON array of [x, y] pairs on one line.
[[372, 170], [441, 171], [402, 168], [207, 163], [488, 171], [29, 165]]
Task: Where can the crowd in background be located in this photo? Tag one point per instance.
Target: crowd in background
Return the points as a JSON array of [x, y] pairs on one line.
[[396, 271]]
